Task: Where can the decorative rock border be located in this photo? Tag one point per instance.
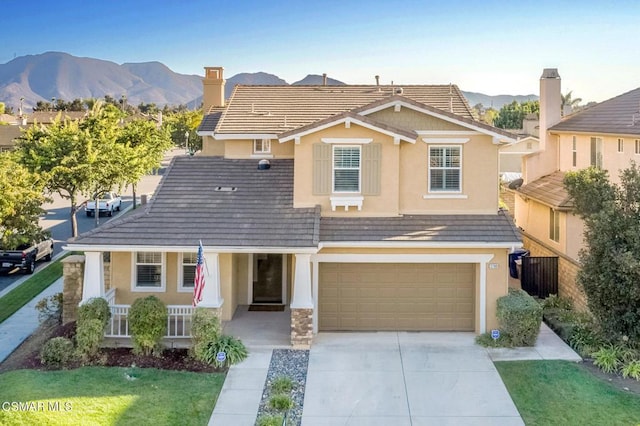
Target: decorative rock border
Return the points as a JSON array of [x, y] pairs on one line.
[[292, 363]]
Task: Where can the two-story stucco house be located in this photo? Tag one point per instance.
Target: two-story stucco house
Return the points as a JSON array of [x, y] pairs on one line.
[[377, 210], [606, 135]]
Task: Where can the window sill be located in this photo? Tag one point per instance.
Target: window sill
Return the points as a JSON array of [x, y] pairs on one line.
[[265, 155], [346, 202], [445, 196], [185, 289], [136, 289]]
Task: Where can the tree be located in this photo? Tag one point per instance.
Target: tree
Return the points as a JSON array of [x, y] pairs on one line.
[[2, 107], [512, 115], [610, 274], [20, 203], [179, 123], [568, 101], [75, 158]]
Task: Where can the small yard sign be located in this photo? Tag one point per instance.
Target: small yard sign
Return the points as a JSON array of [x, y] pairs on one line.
[[221, 356], [495, 334]]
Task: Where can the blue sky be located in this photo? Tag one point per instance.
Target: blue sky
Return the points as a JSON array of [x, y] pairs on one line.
[[494, 47]]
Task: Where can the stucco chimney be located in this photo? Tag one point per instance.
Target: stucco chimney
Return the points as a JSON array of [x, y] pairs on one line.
[[213, 88], [377, 80], [550, 102], [324, 79]]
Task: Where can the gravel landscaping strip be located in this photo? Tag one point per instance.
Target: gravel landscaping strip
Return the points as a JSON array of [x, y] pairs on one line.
[[293, 364]]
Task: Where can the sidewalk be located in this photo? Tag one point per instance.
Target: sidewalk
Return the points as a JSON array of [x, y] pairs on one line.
[[15, 329]]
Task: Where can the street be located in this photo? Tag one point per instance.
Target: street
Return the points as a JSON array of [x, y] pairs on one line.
[[58, 221]]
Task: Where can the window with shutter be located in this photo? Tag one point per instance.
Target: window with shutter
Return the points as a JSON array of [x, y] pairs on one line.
[[321, 169], [346, 169], [445, 168], [371, 167]]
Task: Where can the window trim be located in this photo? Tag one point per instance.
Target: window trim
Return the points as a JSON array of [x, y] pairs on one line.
[[333, 168], [181, 287], [444, 192], [134, 274], [574, 152], [637, 142], [262, 142], [599, 143], [620, 145], [554, 225]]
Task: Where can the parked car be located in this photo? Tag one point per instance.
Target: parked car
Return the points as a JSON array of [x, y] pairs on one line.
[[26, 256], [108, 203]]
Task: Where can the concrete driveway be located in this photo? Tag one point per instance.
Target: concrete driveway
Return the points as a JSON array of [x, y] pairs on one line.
[[389, 378]]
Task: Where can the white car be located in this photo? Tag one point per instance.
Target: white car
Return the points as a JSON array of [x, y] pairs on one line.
[[108, 203]]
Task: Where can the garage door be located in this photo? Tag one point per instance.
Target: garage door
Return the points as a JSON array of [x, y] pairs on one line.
[[373, 296]]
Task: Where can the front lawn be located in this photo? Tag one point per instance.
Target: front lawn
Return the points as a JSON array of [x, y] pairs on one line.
[[565, 393], [108, 396]]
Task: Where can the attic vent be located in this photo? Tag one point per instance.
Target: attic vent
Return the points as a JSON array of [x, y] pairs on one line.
[[225, 188]]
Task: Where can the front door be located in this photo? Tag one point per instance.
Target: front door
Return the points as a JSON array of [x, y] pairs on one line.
[[267, 279]]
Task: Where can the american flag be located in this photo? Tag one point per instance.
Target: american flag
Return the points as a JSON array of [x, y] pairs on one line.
[[198, 281]]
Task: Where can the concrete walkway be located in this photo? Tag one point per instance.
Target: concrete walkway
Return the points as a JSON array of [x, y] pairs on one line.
[[15, 329]]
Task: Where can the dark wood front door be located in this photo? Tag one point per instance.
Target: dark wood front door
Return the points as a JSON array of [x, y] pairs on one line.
[[267, 282]]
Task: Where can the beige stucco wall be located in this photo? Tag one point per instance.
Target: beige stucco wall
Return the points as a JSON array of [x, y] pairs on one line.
[[533, 217], [212, 147], [241, 277], [407, 118], [239, 149], [479, 179], [385, 204], [496, 278]]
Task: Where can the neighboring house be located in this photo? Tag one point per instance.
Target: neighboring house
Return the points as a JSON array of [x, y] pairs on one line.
[[15, 125], [377, 210], [606, 135]]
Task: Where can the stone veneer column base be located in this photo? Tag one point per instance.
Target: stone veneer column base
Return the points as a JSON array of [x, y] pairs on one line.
[[73, 277], [301, 328]]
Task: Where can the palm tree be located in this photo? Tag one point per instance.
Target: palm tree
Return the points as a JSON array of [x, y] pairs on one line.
[[569, 102]]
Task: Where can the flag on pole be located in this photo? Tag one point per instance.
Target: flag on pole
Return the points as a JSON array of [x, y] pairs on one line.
[[198, 281]]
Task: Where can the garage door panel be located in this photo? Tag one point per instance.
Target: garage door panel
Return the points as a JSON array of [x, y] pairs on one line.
[[397, 296]]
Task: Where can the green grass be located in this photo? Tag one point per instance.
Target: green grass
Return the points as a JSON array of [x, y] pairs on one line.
[[25, 292], [565, 393], [105, 396]]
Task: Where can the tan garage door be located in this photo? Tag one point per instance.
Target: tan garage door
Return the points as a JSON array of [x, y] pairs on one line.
[[370, 296]]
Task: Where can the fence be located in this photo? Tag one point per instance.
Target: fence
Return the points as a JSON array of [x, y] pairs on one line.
[[178, 321], [540, 275]]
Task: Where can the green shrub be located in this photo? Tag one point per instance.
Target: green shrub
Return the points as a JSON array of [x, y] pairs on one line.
[[234, 349], [485, 340], [57, 351], [608, 358], [95, 308], [282, 384], [632, 369], [50, 308], [281, 402], [556, 302], [148, 325], [205, 331], [519, 316], [585, 339], [268, 420], [89, 336]]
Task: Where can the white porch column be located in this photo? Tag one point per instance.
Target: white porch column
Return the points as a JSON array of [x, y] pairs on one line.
[[483, 297], [302, 296], [211, 294], [93, 283]]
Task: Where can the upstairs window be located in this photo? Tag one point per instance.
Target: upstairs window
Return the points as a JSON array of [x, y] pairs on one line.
[[574, 152], [554, 225], [148, 271], [261, 146], [620, 145], [445, 168], [596, 152], [346, 169], [637, 146]]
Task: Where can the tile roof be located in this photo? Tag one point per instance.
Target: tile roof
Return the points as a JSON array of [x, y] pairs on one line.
[[496, 228], [276, 109], [188, 208], [619, 115], [549, 190], [210, 119], [47, 117]]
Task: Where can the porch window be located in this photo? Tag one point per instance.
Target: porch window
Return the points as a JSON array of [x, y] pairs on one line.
[[261, 146], [637, 146], [620, 145], [187, 271], [554, 225], [445, 168], [346, 169], [148, 271]]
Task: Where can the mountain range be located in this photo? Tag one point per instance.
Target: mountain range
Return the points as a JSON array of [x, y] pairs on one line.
[[60, 75]]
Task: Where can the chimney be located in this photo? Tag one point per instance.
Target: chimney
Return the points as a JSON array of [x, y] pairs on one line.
[[213, 88], [377, 80], [324, 79], [550, 102]]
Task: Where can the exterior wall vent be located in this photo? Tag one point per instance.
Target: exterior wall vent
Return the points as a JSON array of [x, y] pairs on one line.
[[225, 188], [264, 164]]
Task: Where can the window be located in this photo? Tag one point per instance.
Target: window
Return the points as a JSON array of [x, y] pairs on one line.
[[187, 271], [148, 271], [596, 152], [261, 146], [445, 168], [574, 152], [620, 145], [554, 225], [637, 146], [346, 169]]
